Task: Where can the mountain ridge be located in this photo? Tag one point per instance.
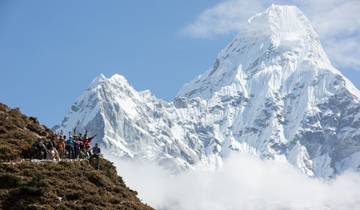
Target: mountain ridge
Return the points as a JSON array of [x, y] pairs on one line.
[[274, 95]]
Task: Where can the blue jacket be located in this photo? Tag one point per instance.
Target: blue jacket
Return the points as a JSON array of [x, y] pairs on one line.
[[70, 142]]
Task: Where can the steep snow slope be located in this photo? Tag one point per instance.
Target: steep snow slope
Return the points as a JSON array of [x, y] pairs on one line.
[[272, 92]]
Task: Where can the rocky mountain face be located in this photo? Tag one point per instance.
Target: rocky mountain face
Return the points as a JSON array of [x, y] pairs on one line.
[[38, 184], [272, 92]]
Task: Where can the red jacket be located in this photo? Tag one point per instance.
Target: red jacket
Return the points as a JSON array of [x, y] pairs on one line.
[[87, 142]]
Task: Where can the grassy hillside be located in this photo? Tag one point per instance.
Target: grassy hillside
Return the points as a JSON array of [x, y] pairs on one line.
[[53, 185], [17, 133]]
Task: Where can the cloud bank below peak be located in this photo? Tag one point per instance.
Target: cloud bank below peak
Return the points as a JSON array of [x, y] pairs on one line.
[[336, 21], [244, 182]]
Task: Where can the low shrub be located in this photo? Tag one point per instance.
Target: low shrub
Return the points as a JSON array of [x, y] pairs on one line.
[[9, 181]]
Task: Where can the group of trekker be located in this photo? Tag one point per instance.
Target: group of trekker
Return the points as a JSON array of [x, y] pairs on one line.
[[60, 146]]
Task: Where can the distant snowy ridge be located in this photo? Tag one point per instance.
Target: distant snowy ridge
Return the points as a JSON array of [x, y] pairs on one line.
[[272, 92]]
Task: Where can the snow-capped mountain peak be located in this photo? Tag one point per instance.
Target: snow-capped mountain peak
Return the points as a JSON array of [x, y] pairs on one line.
[[98, 80], [280, 37], [272, 92], [281, 21], [116, 79]]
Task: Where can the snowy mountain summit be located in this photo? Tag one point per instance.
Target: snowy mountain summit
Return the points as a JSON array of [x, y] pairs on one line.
[[272, 92]]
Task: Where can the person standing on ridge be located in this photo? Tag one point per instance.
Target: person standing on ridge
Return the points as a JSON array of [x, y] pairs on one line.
[[42, 149], [96, 153], [77, 146], [70, 147], [87, 142]]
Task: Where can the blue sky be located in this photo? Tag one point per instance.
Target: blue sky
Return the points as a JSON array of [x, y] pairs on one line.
[[51, 50]]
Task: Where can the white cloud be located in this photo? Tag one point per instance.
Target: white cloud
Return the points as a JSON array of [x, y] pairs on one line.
[[225, 17], [344, 52], [337, 22], [243, 182]]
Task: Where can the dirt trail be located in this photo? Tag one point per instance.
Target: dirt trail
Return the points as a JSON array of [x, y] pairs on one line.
[[38, 161]]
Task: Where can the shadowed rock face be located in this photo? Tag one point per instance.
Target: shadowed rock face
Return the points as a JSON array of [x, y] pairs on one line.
[[272, 92], [54, 185], [337, 134]]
